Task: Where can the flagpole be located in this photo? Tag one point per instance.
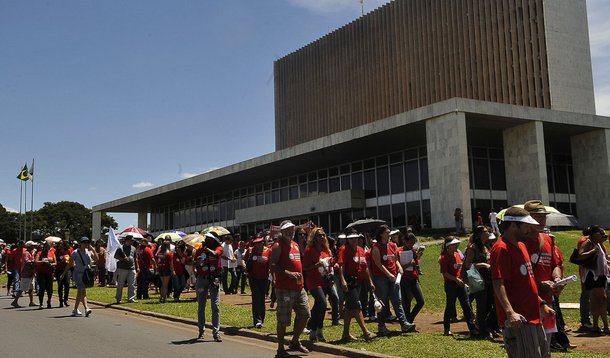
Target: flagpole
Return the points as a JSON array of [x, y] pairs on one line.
[[31, 174], [20, 207], [25, 214]]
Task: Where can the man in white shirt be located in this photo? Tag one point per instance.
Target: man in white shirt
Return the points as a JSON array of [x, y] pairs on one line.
[[494, 222], [229, 263]]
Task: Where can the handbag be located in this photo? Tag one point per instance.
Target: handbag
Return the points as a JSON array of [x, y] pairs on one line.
[[475, 280], [88, 275], [588, 262]]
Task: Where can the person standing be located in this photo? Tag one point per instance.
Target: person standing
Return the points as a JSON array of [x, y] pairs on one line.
[[81, 259], [208, 267], [126, 269], [62, 255], [228, 265], [493, 220], [17, 259], [285, 263], [45, 264], [27, 275], [165, 265], [179, 279], [518, 305], [409, 285], [241, 267], [146, 261], [257, 270], [100, 248], [458, 217]]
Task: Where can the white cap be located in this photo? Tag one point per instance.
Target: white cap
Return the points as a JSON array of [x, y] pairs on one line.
[[211, 236], [528, 219], [341, 236], [287, 225], [394, 232], [353, 236], [452, 242], [492, 236], [30, 243]]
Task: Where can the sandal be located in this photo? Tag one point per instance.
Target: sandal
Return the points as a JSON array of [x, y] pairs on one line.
[[348, 338], [369, 336], [297, 346]]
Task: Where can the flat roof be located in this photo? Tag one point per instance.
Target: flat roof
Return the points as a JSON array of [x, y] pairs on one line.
[[352, 143]]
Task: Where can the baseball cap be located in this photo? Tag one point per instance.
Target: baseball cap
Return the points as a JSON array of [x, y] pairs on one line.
[[535, 207]]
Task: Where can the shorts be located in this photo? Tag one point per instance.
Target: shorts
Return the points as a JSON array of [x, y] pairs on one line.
[[78, 279], [352, 298], [591, 283], [26, 284], [165, 272], [287, 300]]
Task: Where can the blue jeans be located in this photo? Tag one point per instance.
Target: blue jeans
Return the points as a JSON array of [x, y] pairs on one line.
[[16, 279], [319, 308], [178, 284], [225, 280], [410, 288], [452, 292], [387, 291], [202, 287]]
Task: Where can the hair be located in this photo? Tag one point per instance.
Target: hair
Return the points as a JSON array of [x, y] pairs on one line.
[[594, 229], [512, 211], [164, 247], [475, 238], [380, 230], [409, 237], [446, 240], [311, 240]]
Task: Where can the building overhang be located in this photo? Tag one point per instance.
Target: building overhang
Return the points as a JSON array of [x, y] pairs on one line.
[[379, 137]]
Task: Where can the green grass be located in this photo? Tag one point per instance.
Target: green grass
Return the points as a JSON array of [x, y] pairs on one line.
[[409, 345]]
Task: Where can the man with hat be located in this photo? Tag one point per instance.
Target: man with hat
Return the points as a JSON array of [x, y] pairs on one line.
[[285, 263], [208, 268], [27, 275], [126, 269], [257, 269], [518, 304]]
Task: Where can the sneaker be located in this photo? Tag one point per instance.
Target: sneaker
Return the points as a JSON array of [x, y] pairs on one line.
[[200, 335], [61, 304], [448, 333], [88, 313], [32, 304], [66, 303], [48, 304], [76, 313], [297, 346], [132, 301], [369, 336], [407, 327], [40, 307], [217, 338], [15, 304], [306, 331], [382, 331], [258, 325], [313, 336]]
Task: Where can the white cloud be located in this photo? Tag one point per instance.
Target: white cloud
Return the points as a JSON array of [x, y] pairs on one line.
[[142, 184], [11, 210], [602, 101], [333, 6], [187, 175]]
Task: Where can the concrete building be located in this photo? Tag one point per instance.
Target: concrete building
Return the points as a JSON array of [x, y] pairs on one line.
[[409, 112]]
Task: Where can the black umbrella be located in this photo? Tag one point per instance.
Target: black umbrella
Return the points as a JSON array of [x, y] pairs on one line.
[[365, 225]]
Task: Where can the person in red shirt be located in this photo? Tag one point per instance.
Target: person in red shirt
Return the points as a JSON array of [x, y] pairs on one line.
[[353, 273], [518, 305], [165, 265], [62, 256], [27, 275], [179, 278], [257, 270], [409, 285], [9, 270], [208, 268], [146, 261], [319, 279], [385, 272], [455, 287], [17, 259], [285, 263], [45, 264]]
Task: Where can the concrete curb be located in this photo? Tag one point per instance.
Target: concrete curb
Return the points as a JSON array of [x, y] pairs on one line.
[[244, 332]]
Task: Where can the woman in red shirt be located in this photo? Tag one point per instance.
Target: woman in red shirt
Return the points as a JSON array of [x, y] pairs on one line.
[[257, 270], [45, 264], [409, 285], [165, 266], [179, 278], [455, 288]]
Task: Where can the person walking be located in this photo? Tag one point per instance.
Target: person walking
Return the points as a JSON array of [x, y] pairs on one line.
[[518, 304], [45, 264], [353, 272], [81, 259], [27, 275], [100, 248], [126, 269], [208, 267], [179, 279], [62, 254], [241, 267], [257, 270], [385, 272], [229, 263], [286, 265], [146, 262], [165, 265], [17, 259], [409, 285]]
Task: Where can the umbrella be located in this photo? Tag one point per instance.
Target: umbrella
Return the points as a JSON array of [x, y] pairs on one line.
[[52, 239], [175, 237], [133, 230], [219, 230], [502, 212], [559, 219], [193, 239], [365, 225], [135, 235], [180, 233], [1, 241]]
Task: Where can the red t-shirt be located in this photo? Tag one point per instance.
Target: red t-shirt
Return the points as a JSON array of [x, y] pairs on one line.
[[388, 254], [203, 259], [314, 278], [451, 264], [290, 260], [543, 271], [164, 259], [63, 256], [18, 258], [260, 264], [144, 255], [512, 264], [408, 273], [178, 265], [44, 268], [353, 261]]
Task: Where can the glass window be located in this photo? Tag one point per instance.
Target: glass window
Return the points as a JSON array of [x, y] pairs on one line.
[[345, 182], [371, 212], [284, 194], [312, 177], [496, 153], [411, 154], [322, 174], [302, 178], [413, 213], [571, 178], [244, 203], [398, 215], [344, 169], [479, 152], [357, 181], [294, 192], [396, 158], [266, 186], [323, 221], [369, 184], [423, 173], [259, 188], [334, 171], [358, 214], [251, 201], [481, 174], [303, 190], [223, 211], [335, 223], [383, 182], [334, 185], [427, 219], [312, 188], [356, 166], [275, 184], [230, 210], [323, 186], [498, 175], [382, 160], [412, 173], [284, 182], [561, 179], [293, 181], [369, 164], [346, 218], [260, 199], [385, 213], [267, 197], [275, 196], [549, 177]]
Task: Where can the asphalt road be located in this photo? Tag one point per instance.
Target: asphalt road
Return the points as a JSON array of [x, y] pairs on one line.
[[29, 332]]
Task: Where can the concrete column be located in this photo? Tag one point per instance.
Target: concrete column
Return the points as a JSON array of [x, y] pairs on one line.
[[448, 169], [143, 220], [525, 163], [591, 161], [96, 229]]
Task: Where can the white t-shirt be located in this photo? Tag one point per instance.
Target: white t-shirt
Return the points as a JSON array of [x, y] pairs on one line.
[[492, 217], [227, 251]]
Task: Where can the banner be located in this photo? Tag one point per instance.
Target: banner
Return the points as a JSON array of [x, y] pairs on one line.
[[111, 246]]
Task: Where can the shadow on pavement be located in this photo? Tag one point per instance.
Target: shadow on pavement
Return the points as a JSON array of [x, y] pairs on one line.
[[188, 341]]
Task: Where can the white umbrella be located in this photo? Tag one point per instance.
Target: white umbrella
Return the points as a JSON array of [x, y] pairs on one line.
[[559, 219], [52, 239], [174, 236], [135, 235]]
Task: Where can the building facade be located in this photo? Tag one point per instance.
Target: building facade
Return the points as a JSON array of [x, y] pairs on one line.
[[409, 112]]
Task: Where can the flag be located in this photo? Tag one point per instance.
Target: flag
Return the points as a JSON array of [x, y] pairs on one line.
[[111, 246], [24, 174], [32, 170]]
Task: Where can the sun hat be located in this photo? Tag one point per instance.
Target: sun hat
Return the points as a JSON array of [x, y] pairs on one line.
[[352, 236], [535, 207], [85, 239], [286, 224], [492, 236], [30, 243], [452, 242], [394, 232], [211, 236], [257, 240], [528, 219]]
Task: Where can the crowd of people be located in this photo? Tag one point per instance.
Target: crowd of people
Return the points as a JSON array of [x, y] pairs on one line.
[[512, 272]]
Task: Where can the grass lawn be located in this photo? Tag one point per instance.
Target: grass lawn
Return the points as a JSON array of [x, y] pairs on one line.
[[408, 345]]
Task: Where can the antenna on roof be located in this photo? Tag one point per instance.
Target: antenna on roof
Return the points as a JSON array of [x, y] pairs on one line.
[[362, 6]]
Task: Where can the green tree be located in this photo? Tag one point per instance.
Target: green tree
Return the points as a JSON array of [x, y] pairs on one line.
[[9, 225]]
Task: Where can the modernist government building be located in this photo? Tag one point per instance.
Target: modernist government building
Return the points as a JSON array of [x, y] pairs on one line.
[[409, 112]]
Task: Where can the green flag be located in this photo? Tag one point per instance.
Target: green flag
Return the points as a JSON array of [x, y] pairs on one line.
[[24, 174]]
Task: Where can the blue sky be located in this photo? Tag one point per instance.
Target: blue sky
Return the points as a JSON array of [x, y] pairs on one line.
[[116, 97]]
